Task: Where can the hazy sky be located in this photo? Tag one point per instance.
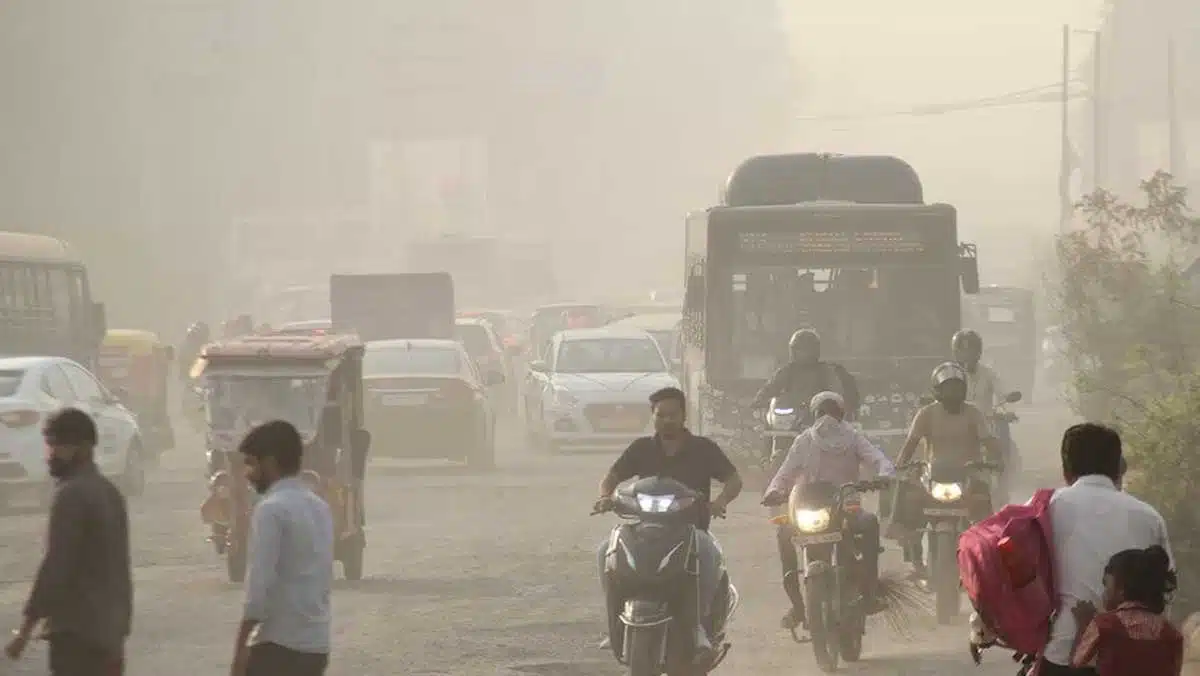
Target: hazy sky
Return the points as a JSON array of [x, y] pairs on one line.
[[1000, 166]]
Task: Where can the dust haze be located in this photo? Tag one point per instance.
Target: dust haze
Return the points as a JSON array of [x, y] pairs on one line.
[[163, 137]]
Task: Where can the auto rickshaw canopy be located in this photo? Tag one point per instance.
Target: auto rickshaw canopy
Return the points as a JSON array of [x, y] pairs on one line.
[[319, 352], [136, 341]]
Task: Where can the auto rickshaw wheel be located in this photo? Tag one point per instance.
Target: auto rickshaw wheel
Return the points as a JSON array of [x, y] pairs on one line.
[[483, 455], [133, 477], [235, 563], [353, 551]]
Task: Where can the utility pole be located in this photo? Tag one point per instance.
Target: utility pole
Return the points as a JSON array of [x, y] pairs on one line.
[[1065, 167]]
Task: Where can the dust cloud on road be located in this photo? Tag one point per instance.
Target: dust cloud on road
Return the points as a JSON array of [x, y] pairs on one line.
[[473, 575]]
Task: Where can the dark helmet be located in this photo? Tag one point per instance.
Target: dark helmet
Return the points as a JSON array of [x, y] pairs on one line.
[[805, 340], [946, 372], [968, 341]]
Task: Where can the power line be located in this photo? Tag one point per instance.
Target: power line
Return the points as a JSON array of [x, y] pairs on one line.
[[1033, 96]]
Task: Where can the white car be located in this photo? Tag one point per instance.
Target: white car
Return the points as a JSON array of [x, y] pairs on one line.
[[31, 388], [592, 391]]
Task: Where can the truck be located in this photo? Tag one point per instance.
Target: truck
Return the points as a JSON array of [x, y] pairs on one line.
[[843, 245], [388, 306]]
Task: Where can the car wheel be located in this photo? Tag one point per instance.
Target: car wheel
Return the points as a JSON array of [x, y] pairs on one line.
[[133, 478]]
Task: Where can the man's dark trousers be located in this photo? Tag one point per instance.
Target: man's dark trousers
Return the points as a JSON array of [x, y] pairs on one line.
[[272, 659], [72, 656]]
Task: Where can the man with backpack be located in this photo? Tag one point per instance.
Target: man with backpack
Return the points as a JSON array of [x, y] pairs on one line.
[[1029, 566]]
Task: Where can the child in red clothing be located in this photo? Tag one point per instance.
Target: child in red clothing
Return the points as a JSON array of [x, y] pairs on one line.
[[1133, 637]]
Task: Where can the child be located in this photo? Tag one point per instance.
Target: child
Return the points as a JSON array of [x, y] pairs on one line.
[[1132, 636]]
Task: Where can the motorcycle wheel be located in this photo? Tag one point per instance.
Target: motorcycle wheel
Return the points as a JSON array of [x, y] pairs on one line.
[[822, 624], [853, 625], [945, 576], [643, 649]]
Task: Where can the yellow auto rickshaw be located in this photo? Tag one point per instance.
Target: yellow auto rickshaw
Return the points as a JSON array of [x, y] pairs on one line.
[[313, 382], [135, 365]]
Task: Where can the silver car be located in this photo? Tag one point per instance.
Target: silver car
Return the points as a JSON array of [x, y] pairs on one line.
[[591, 391]]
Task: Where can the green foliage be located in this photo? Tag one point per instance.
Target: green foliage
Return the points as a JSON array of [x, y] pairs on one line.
[[1132, 325]]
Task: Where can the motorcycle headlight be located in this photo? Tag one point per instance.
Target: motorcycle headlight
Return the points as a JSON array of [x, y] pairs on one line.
[[781, 418], [660, 504], [812, 520], [946, 492]]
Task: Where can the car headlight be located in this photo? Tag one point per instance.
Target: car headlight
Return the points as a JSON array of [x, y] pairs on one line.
[[781, 418], [564, 398], [659, 504], [946, 492], [812, 520]]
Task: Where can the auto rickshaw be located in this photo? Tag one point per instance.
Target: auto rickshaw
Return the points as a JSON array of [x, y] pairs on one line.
[[135, 365], [313, 382]]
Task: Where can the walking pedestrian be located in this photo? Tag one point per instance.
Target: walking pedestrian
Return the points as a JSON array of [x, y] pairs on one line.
[[83, 594], [286, 625]]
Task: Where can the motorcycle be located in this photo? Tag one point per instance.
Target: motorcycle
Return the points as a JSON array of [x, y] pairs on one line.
[[1002, 419], [651, 571], [832, 564], [955, 496]]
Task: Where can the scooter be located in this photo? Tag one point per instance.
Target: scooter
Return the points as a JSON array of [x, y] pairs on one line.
[[651, 575]]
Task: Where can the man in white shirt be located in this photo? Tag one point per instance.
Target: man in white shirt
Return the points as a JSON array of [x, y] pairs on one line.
[[1092, 520]]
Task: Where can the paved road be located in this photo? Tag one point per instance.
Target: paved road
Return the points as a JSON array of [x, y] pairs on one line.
[[469, 575]]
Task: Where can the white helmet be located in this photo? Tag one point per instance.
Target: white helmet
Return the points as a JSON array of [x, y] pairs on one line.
[[821, 397]]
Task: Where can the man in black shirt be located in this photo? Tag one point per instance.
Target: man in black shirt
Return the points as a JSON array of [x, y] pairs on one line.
[[84, 587], [806, 375], [693, 461]]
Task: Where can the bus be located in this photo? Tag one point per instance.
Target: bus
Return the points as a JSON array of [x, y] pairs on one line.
[[46, 305]]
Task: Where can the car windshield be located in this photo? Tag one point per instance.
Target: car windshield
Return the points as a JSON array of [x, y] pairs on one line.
[[475, 338], [10, 382], [609, 355], [403, 360], [238, 403]]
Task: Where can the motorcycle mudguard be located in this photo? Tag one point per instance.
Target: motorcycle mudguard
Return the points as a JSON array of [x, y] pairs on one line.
[[818, 568], [645, 613]]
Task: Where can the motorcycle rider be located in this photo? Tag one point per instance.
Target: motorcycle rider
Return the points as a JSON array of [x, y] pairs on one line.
[[954, 430], [984, 390], [831, 450], [694, 461], [806, 375]]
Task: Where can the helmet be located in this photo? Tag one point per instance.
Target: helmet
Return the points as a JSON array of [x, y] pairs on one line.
[[804, 338], [823, 398], [967, 340], [947, 371]]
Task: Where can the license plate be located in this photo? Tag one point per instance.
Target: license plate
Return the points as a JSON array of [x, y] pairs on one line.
[[822, 539], [403, 399], [945, 512]]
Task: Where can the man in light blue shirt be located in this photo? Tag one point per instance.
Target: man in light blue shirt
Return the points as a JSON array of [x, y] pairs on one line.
[[290, 566]]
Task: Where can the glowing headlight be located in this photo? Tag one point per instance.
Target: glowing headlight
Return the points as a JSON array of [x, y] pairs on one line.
[[812, 520], [655, 504], [781, 418], [946, 492]]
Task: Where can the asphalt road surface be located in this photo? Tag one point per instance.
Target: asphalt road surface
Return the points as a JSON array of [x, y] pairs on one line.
[[470, 575]]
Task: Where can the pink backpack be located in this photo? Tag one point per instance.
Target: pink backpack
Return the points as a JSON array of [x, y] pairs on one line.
[[1006, 563]]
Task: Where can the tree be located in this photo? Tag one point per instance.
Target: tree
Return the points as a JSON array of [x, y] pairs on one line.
[[1129, 312]]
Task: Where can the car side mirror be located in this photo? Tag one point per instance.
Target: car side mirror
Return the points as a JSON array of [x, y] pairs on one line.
[[538, 366], [1012, 397], [493, 378]]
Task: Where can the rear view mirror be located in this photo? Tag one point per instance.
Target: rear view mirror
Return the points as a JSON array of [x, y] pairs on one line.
[[1012, 397]]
